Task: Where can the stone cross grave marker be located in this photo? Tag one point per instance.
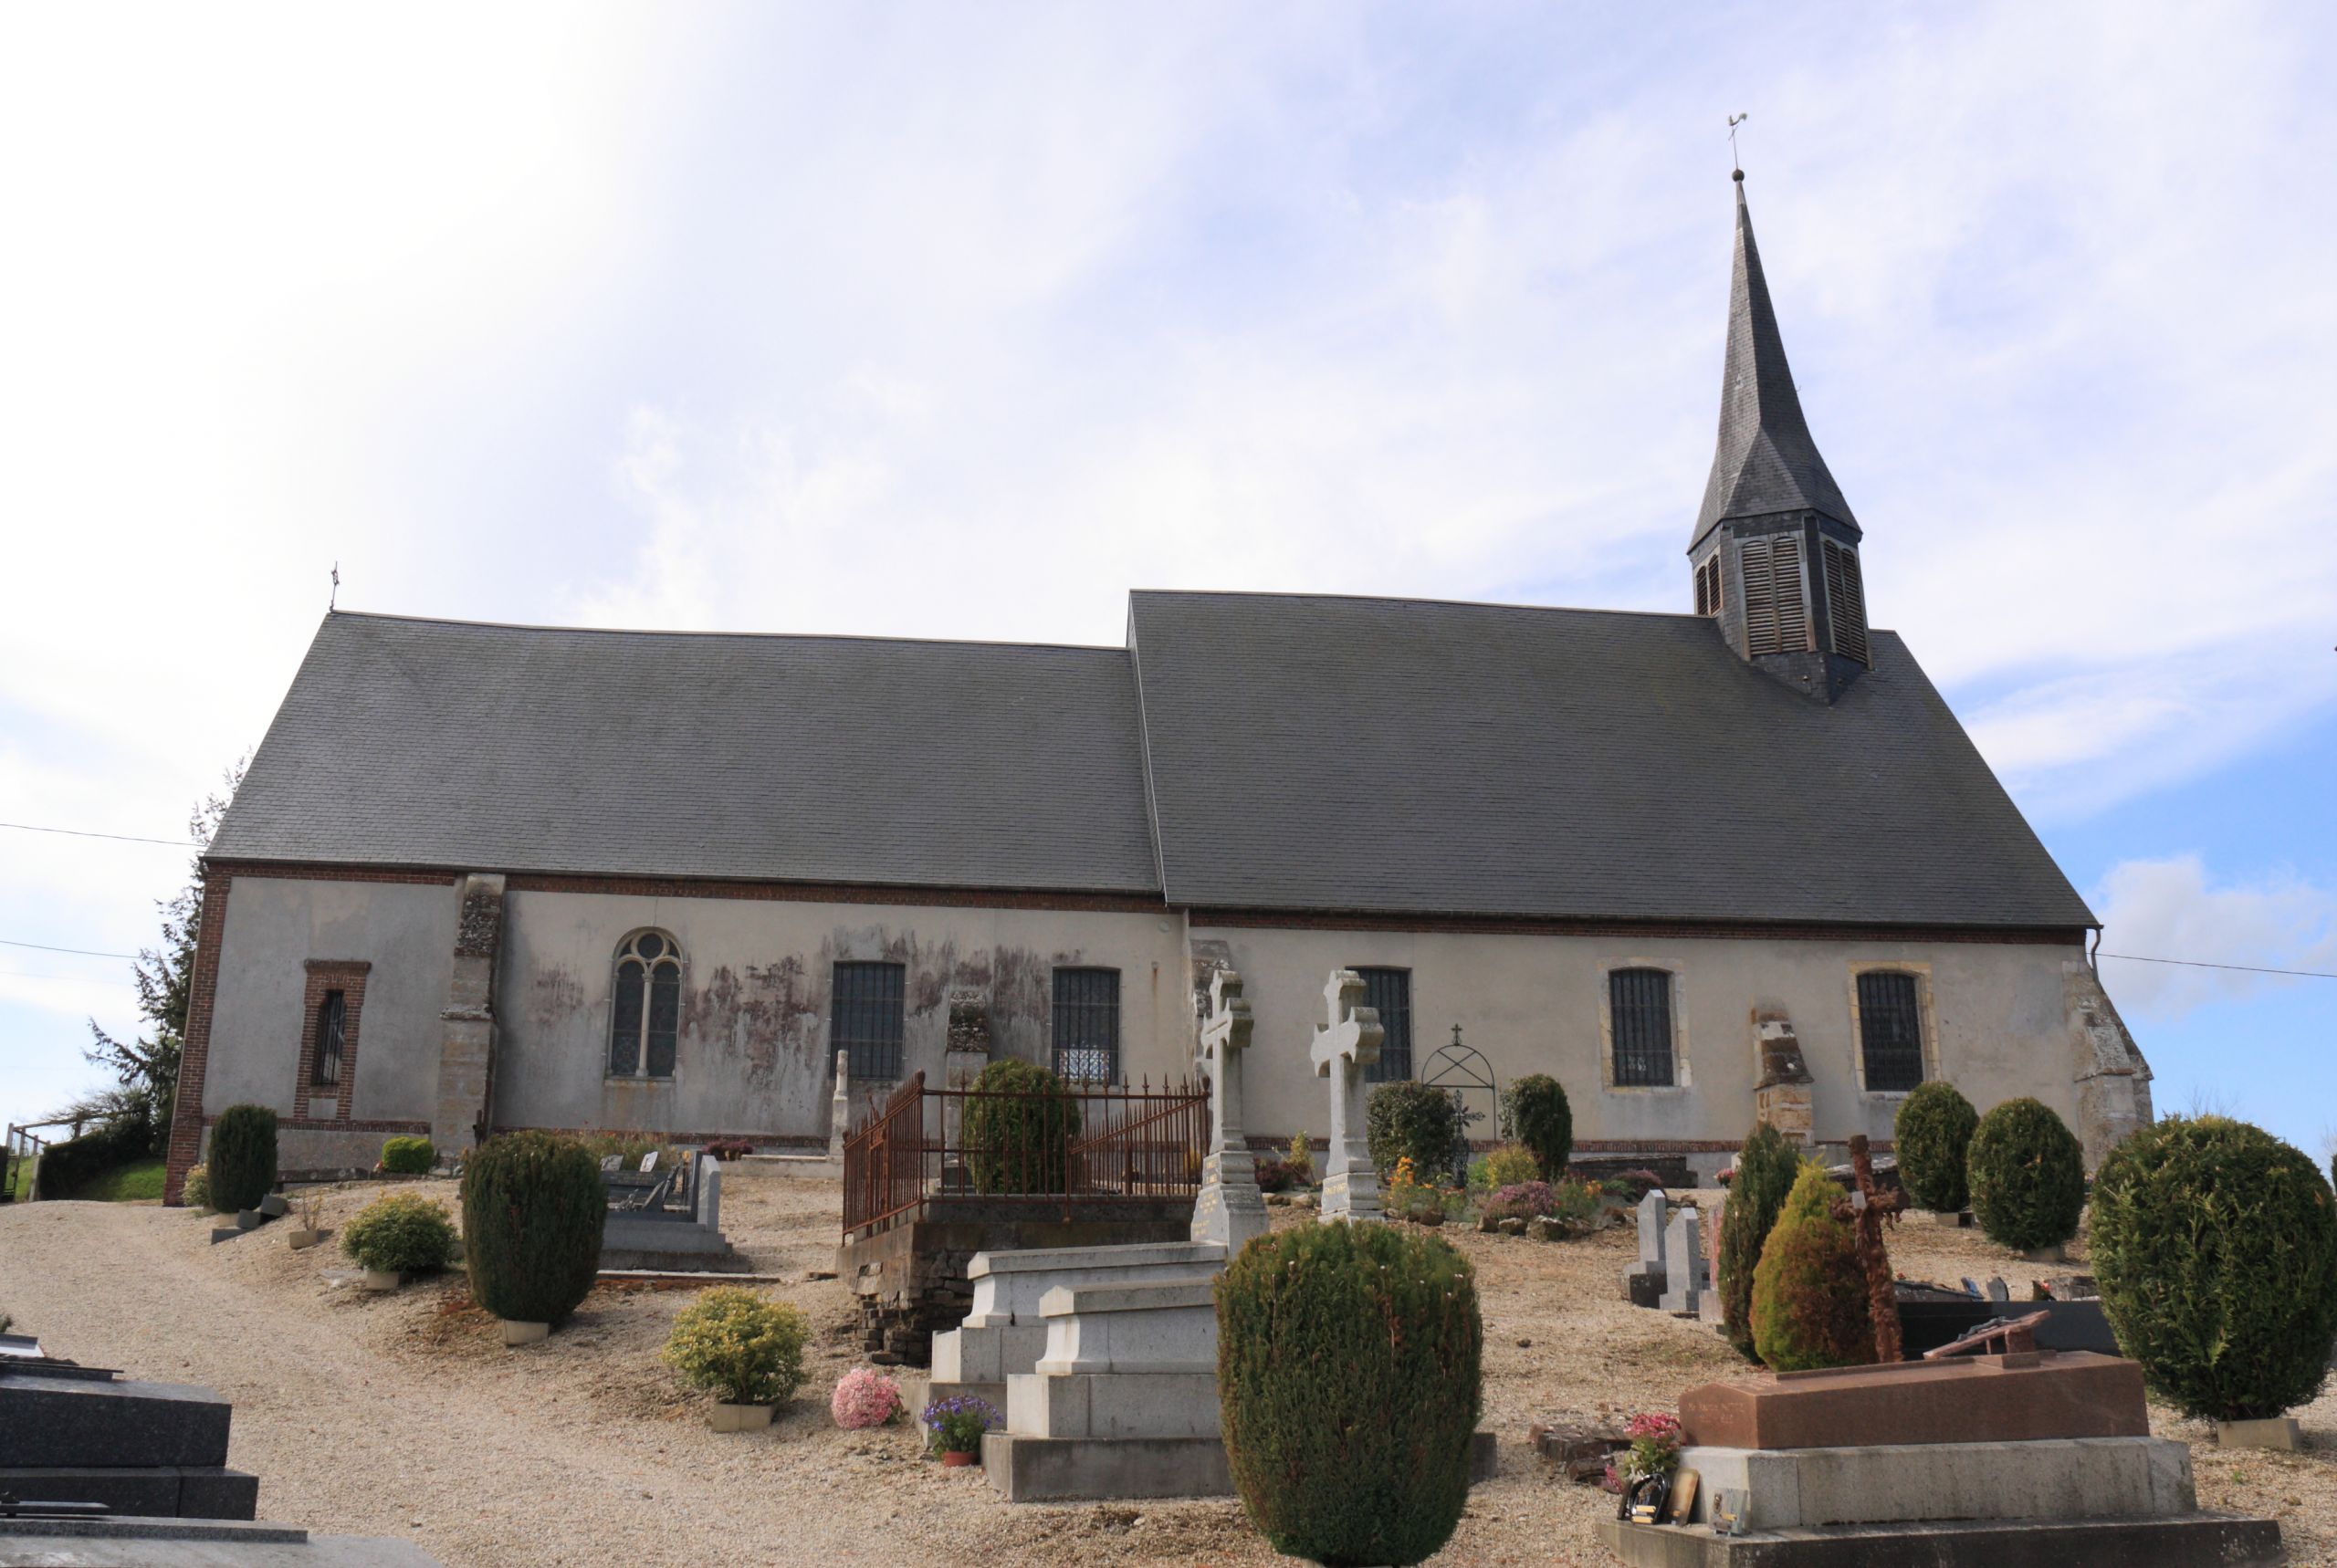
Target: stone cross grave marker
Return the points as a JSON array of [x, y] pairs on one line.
[[1230, 1210], [1342, 1052], [1684, 1264], [840, 1108]]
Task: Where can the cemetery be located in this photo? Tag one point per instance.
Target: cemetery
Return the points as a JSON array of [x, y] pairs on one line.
[[471, 1368]]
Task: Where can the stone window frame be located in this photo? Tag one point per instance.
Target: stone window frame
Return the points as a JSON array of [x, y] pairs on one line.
[[641, 1075], [1925, 1017], [324, 975], [1682, 1068]]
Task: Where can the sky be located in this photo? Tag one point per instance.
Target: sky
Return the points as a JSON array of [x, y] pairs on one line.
[[962, 322]]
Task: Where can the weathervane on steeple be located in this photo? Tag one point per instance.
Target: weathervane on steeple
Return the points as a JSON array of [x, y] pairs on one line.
[[1736, 166], [332, 600]]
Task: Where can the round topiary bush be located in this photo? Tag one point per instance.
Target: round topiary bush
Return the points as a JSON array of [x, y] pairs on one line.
[[2026, 1175], [2216, 1247], [742, 1347], [1765, 1169], [400, 1233], [408, 1156], [1409, 1120], [1019, 1128], [1810, 1299], [532, 1209], [1348, 1366], [1931, 1139], [241, 1164], [1534, 1112]]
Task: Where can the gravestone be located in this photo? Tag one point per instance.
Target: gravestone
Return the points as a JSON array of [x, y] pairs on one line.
[[1230, 1210], [1343, 1051], [1644, 1282], [840, 1110], [1684, 1283]]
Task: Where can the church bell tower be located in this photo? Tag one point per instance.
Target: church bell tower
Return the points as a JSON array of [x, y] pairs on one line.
[[1776, 550]]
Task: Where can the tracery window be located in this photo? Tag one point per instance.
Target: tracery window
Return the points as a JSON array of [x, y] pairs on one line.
[[645, 1019]]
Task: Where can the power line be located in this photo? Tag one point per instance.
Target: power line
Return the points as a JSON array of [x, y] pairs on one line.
[[84, 951], [2244, 968], [120, 838]]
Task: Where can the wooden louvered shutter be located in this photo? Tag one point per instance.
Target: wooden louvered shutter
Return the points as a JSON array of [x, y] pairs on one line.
[[1792, 599], [1845, 600], [1708, 586], [1760, 598]]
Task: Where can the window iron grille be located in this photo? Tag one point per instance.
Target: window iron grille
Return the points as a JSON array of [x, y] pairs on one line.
[[1891, 1030], [1389, 991], [1640, 1010], [866, 1017], [332, 1036], [1087, 1025]]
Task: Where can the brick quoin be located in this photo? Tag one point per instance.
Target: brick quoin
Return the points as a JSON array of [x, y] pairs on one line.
[[186, 1109]]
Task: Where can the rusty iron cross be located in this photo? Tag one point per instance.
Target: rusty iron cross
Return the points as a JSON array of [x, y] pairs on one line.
[[1865, 1209]]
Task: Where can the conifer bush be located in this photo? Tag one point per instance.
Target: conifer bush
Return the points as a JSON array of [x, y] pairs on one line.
[[532, 1209], [242, 1166], [1809, 1299], [1765, 1169], [408, 1156], [2215, 1247], [1406, 1119], [1534, 1112], [2026, 1175], [1020, 1140], [1347, 1366], [1932, 1139]]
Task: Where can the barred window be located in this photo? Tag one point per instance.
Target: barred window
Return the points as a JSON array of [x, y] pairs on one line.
[[332, 1035], [1891, 1030], [1087, 1025], [866, 1017], [1638, 1006], [645, 1021], [1390, 991]]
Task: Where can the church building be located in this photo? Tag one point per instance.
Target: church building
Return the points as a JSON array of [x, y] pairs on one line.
[[1700, 867]]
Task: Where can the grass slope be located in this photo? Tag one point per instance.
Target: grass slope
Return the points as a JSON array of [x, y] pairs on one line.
[[141, 1181]]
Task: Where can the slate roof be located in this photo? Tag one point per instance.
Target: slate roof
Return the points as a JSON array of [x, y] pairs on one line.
[[1408, 756], [1764, 460], [447, 744]]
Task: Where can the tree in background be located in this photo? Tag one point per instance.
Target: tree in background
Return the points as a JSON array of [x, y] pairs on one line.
[[147, 1067]]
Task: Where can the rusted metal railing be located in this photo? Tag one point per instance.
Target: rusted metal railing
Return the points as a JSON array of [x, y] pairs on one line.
[[1085, 1145]]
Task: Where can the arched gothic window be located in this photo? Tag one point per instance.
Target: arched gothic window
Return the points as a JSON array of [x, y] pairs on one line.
[[647, 1014]]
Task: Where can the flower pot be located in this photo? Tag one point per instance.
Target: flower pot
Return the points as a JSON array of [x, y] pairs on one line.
[[380, 1278], [2272, 1432], [516, 1332], [952, 1458], [728, 1417], [249, 1218], [303, 1239], [274, 1205]]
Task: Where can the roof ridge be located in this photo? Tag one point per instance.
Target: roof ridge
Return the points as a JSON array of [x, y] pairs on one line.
[[1411, 599], [332, 615]]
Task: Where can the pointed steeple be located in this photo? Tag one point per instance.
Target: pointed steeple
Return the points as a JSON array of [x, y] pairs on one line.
[[1765, 462]]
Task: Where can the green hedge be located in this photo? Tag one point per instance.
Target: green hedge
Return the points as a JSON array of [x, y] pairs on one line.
[[1534, 1112], [243, 1158], [408, 1156], [1932, 1139], [1020, 1141], [2026, 1172], [1409, 1120], [1765, 1169], [1348, 1365], [68, 1169], [532, 1209], [1809, 1297], [2216, 1247]]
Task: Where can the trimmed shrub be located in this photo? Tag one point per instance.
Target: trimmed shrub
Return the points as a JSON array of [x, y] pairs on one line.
[[408, 1156], [401, 1232], [69, 1168], [1019, 1141], [2026, 1172], [2216, 1247], [1409, 1120], [243, 1158], [1930, 1138], [742, 1348], [1520, 1200], [1810, 1302], [1274, 1175], [1765, 1169], [196, 1190], [1347, 1364], [1505, 1166], [532, 1209], [1534, 1112]]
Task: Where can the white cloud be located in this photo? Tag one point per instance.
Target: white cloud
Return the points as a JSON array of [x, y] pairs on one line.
[[2169, 909]]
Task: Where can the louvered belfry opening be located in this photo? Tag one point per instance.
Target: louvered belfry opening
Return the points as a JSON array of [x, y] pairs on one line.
[[1776, 599], [1890, 1031], [1708, 600], [1846, 601], [865, 1017], [1640, 1011]]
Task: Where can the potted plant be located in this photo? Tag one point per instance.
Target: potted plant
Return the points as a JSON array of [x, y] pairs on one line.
[[745, 1348], [865, 1397], [310, 1229], [396, 1236], [953, 1427]]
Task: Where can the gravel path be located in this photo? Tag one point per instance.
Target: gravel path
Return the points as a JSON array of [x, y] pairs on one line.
[[401, 1415]]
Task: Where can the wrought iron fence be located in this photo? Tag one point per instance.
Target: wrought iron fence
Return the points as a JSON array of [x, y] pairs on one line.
[[1084, 1146]]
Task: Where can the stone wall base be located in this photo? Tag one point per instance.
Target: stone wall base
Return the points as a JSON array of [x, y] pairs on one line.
[[2185, 1540], [1068, 1469]]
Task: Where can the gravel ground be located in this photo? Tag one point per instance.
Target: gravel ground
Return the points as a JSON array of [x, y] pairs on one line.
[[401, 1414]]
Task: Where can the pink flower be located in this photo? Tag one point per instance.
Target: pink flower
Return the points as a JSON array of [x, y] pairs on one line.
[[865, 1397]]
